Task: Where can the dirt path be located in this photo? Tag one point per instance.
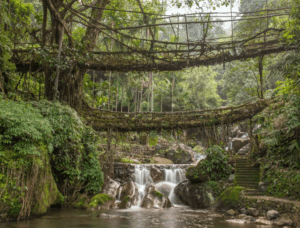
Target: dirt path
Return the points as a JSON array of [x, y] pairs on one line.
[[275, 199]]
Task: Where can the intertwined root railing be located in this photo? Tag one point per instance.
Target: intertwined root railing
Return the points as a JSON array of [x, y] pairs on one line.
[[144, 47], [146, 121]]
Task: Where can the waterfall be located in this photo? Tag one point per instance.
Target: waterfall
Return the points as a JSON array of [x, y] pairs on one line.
[[199, 157], [142, 177], [119, 193], [173, 176], [245, 135]]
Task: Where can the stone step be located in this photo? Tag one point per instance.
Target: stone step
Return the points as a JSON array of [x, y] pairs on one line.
[[247, 166], [247, 183], [249, 186], [252, 184], [244, 175], [247, 170], [256, 180], [253, 192], [247, 180]]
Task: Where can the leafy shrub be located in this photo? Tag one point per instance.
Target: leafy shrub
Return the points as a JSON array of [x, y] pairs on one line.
[[30, 134], [23, 128], [74, 154], [215, 165]]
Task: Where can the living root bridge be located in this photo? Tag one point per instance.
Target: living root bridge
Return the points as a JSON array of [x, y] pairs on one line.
[[147, 121]]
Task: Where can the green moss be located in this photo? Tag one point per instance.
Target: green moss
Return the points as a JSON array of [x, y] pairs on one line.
[[230, 196], [198, 149], [60, 199], [45, 191], [80, 203], [126, 160], [99, 199], [216, 186], [159, 194], [127, 199]]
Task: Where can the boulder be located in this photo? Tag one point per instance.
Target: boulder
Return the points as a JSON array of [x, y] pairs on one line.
[[272, 214], [156, 174], [231, 178], [263, 221], [284, 220], [165, 187], [101, 201], [111, 187], [252, 211], [234, 131], [229, 199], [231, 212], [155, 199], [246, 218], [240, 134], [243, 211], [195, 195], [125, 203], [238, 143], [195, 175], [130, 189], [244, 150], [180, 154]]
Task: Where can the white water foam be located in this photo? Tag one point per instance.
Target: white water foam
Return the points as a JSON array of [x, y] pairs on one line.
[[142, 177]]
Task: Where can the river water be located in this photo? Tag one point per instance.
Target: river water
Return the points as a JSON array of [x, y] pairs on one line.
[[178, 217]]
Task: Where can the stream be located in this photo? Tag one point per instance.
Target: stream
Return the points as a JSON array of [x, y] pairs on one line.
[[177, 217]]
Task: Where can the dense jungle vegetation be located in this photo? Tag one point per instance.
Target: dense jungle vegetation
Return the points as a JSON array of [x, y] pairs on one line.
[[49, 156]]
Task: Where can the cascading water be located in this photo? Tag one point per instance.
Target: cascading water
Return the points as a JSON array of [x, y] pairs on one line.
[[142, 177], [198, 157], [174, 176]]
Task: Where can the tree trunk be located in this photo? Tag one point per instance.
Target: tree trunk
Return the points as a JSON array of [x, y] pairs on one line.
[[260, 68], [117, 95], [93, 85], [122, 97], [161, 102], [172, 92], [151, 75], [70, 89], [108, 102], [135, 99], [141, 98], [110, 154], [58, 62]]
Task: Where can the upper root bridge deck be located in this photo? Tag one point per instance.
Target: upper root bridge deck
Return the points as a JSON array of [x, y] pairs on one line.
[[174, 42]]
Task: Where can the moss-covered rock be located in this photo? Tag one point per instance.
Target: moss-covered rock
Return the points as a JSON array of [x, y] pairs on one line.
[[82, 202], [103, 200], [179, 154], [125, 203], [196, 195], [45, 191], [35, 191], [155, 199], [60, 199], [196, 175], [229, 198]]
